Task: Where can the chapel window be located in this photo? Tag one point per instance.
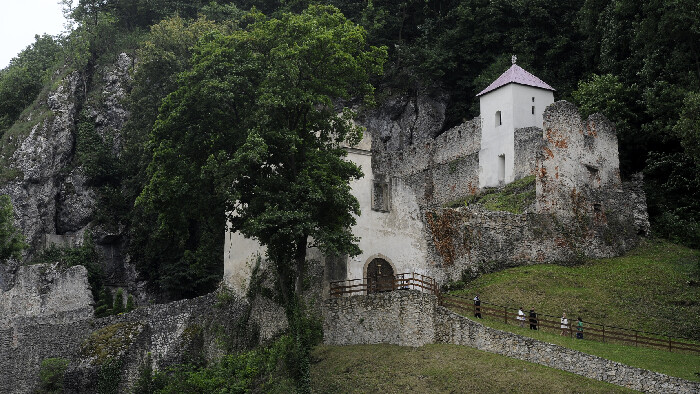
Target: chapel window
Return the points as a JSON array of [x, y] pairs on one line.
[[380, 197]]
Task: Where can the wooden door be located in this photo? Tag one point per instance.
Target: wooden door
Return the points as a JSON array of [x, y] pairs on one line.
[[380, 276]]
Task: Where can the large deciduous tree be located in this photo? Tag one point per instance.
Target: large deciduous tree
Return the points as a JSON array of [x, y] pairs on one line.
[[256, 129]]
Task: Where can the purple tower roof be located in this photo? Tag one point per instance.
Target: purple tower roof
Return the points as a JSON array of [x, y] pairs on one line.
[[516, 74]]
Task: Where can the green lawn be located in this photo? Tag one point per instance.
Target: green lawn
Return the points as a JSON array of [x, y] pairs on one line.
[[437, 369]]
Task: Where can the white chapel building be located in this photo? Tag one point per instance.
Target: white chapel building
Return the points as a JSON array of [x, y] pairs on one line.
[[391, 228]]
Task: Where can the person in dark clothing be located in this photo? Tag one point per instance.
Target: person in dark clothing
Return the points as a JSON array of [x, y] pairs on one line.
[[477, 307], [533, 319], [579, 328]]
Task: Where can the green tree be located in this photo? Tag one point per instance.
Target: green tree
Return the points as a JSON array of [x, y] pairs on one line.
[[607, 95], [688, 126], [118, 302], [22, 80], [256, 129], [11, 239], [51, 375]]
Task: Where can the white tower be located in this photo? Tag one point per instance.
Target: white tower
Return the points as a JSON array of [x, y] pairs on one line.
[[516, 99]]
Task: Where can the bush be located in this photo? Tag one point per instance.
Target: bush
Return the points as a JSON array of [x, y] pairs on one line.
[[51, 375]]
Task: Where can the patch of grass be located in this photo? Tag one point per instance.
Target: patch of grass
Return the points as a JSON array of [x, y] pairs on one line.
[[515, 197], [437, 369], [651, 289]]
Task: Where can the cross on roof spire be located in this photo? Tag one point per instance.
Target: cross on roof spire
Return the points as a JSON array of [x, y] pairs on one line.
[[514, 59]]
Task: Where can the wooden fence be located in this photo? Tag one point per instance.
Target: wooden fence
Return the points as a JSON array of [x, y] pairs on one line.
[[591, 330], [406, 281]]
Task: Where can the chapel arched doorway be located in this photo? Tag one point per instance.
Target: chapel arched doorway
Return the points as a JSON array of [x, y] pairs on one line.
[[380, 276]]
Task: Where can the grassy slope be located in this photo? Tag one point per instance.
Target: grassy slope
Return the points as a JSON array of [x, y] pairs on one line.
[[653, 288], [437, 369]]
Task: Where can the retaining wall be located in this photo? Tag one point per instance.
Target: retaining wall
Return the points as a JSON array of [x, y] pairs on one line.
[[398, 317]]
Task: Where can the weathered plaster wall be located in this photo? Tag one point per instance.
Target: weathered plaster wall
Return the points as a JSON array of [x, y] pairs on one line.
[[411, 318]]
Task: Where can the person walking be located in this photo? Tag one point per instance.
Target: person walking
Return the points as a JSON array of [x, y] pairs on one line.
[[521, 317], [533, 319], [477, 307], [564, 324], [579, 328]]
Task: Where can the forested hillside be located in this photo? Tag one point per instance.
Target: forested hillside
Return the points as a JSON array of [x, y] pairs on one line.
[[637, 62]]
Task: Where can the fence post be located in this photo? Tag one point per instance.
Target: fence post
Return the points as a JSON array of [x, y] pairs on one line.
[[635, 338], [505, 315], [603, 333], [669, 344]]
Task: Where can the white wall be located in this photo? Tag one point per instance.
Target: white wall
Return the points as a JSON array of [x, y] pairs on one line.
[[515, 103], [395, 235]]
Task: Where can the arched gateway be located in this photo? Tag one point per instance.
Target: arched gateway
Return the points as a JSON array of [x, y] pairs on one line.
[[380, 276]]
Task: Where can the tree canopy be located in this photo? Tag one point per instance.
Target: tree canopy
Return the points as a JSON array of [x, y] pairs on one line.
[[255, 128]]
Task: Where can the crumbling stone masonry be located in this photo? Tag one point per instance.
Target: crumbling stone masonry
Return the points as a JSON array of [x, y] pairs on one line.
[[48, 314]]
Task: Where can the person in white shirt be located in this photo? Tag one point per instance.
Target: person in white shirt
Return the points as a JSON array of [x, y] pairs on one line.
[[521, 317], [564, 324]]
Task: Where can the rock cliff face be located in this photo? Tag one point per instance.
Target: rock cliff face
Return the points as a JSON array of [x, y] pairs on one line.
[[41, 158], [405, 120], [53, 199]]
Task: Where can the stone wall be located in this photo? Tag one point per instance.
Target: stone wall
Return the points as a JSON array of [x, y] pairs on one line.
[[48, 314], [401, 317], [471, 240], [47, 294], [578, 165], [439, 170], [411, 318]]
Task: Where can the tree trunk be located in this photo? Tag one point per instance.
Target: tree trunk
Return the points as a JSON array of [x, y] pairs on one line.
[[300, 261]]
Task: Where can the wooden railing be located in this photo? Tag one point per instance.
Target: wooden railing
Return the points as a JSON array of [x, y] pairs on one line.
[[591, 330], [406, 281]]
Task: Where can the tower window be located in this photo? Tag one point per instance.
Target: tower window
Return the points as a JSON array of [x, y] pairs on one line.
[[533, 109], [533, 99], [498, 118]]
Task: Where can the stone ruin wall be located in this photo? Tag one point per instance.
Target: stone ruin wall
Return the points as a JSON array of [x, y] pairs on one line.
[[47, 294], [439, 170], [47, 313], [528, 141], [582, 210], [578, 164]]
